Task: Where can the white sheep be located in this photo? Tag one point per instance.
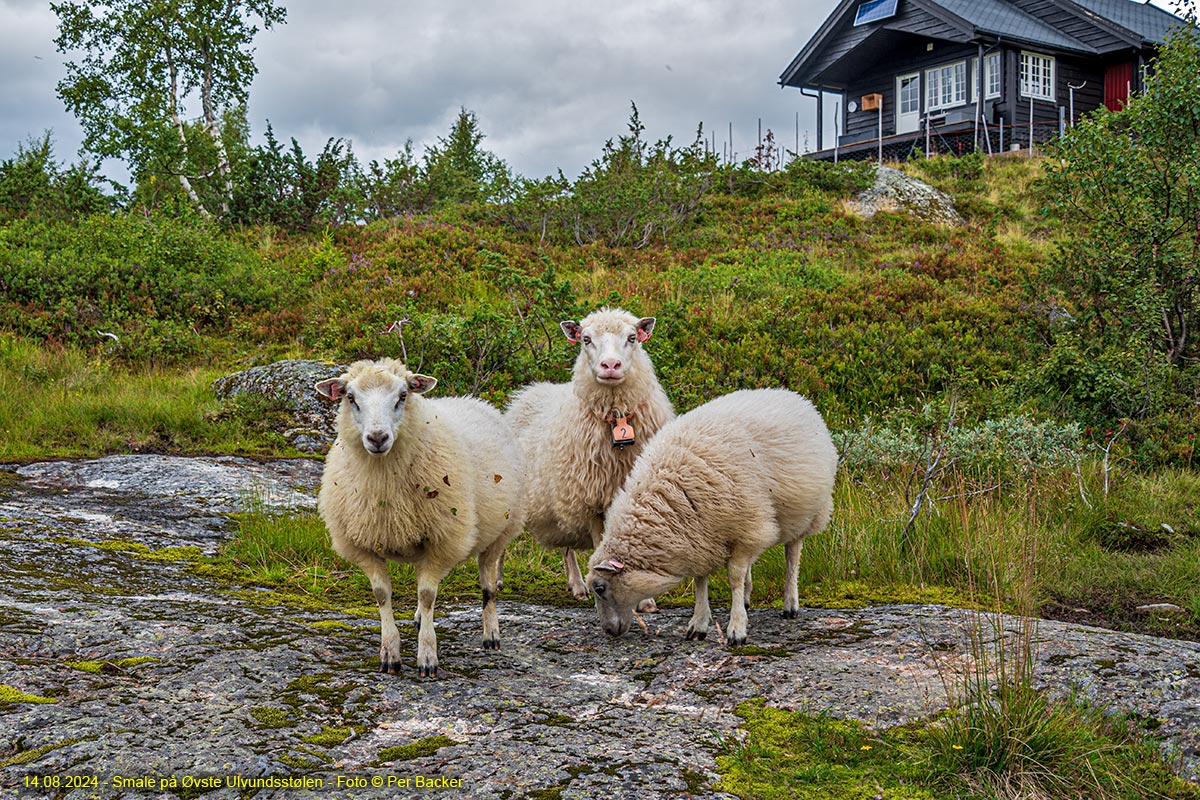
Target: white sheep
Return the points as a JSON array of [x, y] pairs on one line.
[[430, 482], [716, 488], [568, 431]]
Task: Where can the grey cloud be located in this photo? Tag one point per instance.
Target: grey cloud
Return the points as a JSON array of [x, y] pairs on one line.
[[550, 81]]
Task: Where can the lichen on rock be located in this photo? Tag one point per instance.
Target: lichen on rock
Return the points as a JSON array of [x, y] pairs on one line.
[[288, 385], [894, 190]]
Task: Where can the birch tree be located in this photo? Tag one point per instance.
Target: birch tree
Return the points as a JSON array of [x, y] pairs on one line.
[[154, 81]]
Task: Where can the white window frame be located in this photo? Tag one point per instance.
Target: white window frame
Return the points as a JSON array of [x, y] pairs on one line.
[[937, 96], [995, 71], [1039, 69], [991, 76], [913, 97]]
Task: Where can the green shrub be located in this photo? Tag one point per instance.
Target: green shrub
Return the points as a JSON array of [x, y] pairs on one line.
[[32, 182], [136, 277]]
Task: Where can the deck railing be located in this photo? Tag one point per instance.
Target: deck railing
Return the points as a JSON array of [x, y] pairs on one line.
[[950, 140]]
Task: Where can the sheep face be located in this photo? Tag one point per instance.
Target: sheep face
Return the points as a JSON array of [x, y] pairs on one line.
[[375, 399], [619, 589], [609, 342]]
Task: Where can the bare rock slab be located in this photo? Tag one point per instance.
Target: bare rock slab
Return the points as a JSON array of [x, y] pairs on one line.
[[196, 680]]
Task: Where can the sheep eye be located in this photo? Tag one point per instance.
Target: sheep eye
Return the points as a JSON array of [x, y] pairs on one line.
[[587, 340], [400, 401], [599, 587], [352, 399], [632, 338]]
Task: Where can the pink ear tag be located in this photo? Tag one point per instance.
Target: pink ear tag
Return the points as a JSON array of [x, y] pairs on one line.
[[622, 432], [616, 565]]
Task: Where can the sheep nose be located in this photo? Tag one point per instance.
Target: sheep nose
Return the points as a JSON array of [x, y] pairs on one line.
[[379, 439], [610, 364]]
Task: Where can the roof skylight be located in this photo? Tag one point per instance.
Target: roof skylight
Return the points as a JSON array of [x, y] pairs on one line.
[[875, 10]]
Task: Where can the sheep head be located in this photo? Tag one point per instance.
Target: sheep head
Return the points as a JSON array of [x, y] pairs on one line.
[[374, 395], [618, 589], [610, 339]]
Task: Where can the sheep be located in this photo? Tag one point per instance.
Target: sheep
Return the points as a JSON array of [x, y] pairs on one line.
[[569, 432], [716, 487], [431, 482]]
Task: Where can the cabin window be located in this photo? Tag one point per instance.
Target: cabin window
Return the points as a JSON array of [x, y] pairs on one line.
[[991, 77], [1037, 76], [910, 94], [946, 86]]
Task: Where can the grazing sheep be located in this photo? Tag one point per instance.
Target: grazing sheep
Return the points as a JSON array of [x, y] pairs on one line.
[[568, 431], [430, 482], [715, 488]]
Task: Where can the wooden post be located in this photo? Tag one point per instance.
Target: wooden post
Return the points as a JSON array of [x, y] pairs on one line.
[[837, 109], [980, 89], [1031, 122]]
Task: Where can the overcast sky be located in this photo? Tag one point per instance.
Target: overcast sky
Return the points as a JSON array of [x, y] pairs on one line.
[[550, 80]]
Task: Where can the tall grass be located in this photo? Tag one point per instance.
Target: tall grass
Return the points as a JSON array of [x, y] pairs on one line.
[[63, 402], [973, 545], [1001, 739]]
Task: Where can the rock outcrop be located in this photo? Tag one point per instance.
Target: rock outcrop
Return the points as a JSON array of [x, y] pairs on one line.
[[897, 191], [288, 386]]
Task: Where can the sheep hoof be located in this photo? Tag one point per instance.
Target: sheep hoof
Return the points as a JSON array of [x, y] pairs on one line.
[[693, 634], [389, 667], [427, 670], [736, 641], [491, 644], [648, 606], [789, 613], [580, 594]]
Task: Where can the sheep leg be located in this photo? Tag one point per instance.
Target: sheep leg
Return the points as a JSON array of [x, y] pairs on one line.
[[701, 613], [738, 621], [491, 561], [376, 570], [427, 586], [791, 594], [574, 579]]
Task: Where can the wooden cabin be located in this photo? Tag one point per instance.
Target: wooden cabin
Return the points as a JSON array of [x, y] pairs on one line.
[[900, 76]]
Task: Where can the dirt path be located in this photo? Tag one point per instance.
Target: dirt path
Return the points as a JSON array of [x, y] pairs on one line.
[[200, 688]]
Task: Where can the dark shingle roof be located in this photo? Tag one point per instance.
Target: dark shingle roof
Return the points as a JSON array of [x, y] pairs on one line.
[[1149, 22], [1114, 25], [1004, 19]]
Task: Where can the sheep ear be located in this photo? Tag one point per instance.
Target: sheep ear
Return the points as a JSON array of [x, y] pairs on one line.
[[572, 329], [420, 384], [645, 327], [332, 389], [610, 566]]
